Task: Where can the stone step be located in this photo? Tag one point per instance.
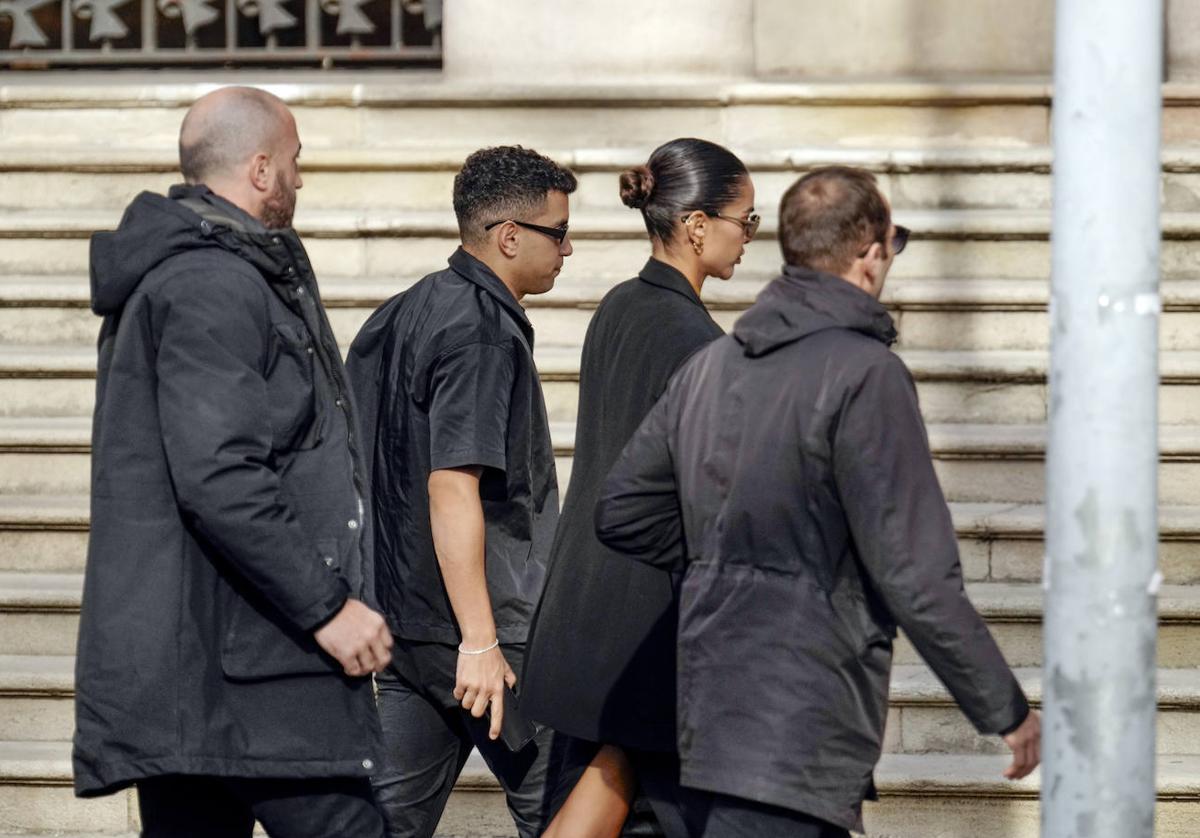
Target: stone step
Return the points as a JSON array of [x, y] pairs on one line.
[[36, 704], [425, 111], [937, 796], [39, 613], [49, 534], [420, 111], [39, 616], [1001, 542], [62, 178], [37, 697], [359, 178], [923, 718], [1014, 614], [998, 542], [36, 799], [949, 314], [978, 463], [608, 244], [1000, 386], [921, 796]]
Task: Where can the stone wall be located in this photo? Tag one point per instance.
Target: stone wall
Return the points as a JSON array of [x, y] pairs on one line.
[[870, 38], [613, 40], [690, 40]]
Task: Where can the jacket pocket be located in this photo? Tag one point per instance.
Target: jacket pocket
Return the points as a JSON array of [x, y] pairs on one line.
[[296, 422], [259, 644]]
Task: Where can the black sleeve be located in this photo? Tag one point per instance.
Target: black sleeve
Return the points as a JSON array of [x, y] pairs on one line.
[[906, 540], [638, 512], [214, 411], [470, 392]]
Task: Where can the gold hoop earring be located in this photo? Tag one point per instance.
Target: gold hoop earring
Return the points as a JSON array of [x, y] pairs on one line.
[[698, 246]]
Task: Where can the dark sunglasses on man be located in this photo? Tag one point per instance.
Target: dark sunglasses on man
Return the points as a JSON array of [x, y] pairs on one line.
[[556, 233], [899, 242]]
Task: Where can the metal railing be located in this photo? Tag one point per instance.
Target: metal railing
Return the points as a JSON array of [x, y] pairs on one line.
[[42, 34]]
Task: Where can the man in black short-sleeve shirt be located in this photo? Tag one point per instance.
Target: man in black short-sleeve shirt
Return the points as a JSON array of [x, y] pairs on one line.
[[465, 493]]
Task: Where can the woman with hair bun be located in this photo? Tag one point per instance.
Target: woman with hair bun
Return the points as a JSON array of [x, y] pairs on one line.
[[601, 662]]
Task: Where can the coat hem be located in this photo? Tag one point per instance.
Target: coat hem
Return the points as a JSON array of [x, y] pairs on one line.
[[101, 779], [773, 794], [546, 714]]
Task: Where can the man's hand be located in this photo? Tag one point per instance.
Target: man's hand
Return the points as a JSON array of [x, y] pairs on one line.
[[1026, 745], [480, 684], [358, 638]]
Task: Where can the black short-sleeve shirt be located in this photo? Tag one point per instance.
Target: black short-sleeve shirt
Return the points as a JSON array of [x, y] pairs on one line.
[[444, 376]]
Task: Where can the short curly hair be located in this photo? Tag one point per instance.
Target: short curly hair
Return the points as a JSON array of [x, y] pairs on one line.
[[504, 182]]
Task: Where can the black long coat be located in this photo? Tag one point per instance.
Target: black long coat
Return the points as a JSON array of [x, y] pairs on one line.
[[791, 461], [226, 510], [601, 662]]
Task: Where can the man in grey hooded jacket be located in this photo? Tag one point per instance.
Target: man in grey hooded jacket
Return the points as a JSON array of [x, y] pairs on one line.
[[791, 460]]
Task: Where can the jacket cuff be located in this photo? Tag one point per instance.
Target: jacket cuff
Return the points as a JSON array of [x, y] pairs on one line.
[[1023, 713], [323, 610]]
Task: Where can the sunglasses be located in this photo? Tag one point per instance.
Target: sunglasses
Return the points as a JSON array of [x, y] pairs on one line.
[[556, 233], [749, 225], [899, 242]]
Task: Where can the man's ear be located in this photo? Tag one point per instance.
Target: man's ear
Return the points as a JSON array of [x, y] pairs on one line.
[[873, 261], [260, 172], [508, 239]]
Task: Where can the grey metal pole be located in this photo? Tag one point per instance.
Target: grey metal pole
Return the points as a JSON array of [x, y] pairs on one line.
[[1101, 576]]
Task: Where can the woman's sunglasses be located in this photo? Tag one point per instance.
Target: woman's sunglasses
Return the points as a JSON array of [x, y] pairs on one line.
[[749, 225]]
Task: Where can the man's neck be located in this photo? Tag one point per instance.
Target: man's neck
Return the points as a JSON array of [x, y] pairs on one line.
[[234, 196], [497, 268], [860, 280]]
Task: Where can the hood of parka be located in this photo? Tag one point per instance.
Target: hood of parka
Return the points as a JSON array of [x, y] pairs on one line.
[[156, 227], [801, 302]]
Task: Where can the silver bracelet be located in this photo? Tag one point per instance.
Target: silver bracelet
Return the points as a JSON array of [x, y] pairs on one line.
[[463, 651]]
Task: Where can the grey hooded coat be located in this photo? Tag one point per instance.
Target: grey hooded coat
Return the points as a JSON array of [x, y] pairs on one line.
[[791, 461]]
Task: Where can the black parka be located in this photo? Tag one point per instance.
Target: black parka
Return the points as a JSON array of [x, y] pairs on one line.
[[226, 519], [792, 462]]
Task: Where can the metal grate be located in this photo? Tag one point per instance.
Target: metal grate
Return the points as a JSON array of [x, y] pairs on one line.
[[42, 34]]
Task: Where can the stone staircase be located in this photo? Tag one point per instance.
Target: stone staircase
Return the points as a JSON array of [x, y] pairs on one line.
[[966, 166]]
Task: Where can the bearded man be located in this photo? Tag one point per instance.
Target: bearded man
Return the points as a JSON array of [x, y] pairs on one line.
[[225, 645]]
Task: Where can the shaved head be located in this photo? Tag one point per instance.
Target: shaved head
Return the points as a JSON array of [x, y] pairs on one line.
[[226, 128]]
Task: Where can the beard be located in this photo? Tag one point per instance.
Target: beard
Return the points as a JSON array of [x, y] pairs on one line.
[[279, 206]]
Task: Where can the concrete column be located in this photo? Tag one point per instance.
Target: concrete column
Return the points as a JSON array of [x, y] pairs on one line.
[[1098, 776], [535, 41]]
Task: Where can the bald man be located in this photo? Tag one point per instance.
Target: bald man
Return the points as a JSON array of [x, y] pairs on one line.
[[225, 642]]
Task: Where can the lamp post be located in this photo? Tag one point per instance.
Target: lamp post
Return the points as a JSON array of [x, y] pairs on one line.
[[1101, 579]]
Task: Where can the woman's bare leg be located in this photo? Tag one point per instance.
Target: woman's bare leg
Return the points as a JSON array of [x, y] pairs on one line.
[[599, 803]]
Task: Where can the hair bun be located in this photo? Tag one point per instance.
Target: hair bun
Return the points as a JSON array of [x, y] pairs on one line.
[[637, 184]]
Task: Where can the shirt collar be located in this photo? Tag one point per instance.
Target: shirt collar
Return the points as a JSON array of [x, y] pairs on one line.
[[475, 271], [664, 276]]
